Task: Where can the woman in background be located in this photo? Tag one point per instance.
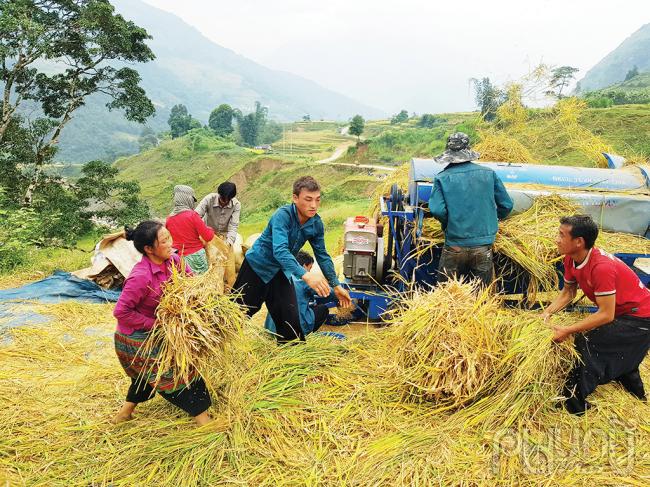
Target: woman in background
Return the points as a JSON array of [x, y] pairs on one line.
[[189, 233]]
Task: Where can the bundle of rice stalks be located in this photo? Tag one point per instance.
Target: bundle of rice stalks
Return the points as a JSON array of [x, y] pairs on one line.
[[193, 322], [499, 147], [456, 346], [512, 113], [528, 241], [447, 343], [568, 111]]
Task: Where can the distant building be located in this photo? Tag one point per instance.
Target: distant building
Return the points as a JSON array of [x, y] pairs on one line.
[[265, 147]]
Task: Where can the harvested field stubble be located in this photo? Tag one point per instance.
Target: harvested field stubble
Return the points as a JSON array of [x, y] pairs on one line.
[[324, 412]]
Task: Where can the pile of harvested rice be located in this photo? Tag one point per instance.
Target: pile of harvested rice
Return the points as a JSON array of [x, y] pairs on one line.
[[323, 413], [194, 320], [457, 344], [499, 147]]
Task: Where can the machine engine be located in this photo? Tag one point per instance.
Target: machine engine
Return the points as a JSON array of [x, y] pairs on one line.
[[363, 252]]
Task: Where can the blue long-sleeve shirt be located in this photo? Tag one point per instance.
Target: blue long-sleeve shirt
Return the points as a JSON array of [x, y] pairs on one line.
[[469, 200], [283, 237]]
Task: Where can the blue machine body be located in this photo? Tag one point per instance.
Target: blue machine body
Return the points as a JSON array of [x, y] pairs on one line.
[[619, 199], [420, 267], [423, 171]]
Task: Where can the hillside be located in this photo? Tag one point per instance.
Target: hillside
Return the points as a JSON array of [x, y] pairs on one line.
[[633, 51], [191, 69], [202, 161], [263, 181]]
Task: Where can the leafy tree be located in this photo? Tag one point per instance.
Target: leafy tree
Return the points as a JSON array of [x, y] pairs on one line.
[[261, 114], [401, 117], [180, 121], [195, 124], [428, 120], [272, 132], [632, 73], [488, 97], [102, 195], [148, 139], [15, 153], [54, 54], [220, 120], [560, 79], [248, 129], [306, 118], [252, 125], [357, 125]]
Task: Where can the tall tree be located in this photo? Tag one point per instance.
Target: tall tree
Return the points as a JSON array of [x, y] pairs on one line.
[[401, 117], [248, 129], [252, 125], [488, 97], [560, 79], [220, 120], [148, 139], [357, 125], [55, 53], [632, 73], [180, 121]]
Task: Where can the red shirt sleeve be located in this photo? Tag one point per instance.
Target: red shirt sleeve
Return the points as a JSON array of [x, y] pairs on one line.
[[205, 231], [569, 276], [604, 278]]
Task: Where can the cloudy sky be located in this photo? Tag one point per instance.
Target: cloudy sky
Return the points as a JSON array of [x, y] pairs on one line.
[[414, 54]]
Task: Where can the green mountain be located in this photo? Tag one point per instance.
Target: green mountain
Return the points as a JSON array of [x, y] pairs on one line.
[[193, 70], [633, 51], [638, 84]]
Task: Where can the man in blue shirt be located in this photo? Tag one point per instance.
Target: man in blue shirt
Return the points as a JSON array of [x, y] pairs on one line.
[[265, 275], [468, 200], [311, 317]]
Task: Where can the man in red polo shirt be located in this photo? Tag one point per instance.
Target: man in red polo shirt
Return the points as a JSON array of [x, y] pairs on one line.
[[613, 341]]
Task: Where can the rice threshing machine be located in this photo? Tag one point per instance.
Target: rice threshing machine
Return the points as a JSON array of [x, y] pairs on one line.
[[380, 261]]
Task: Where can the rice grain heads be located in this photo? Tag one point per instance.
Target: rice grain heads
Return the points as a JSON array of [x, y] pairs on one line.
[[193, 322], [457, 345]]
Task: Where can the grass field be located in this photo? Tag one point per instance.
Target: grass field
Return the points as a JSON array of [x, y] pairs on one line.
[[312, 140]]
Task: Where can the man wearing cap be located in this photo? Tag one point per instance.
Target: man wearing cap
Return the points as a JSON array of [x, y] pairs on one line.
[[469, 200]]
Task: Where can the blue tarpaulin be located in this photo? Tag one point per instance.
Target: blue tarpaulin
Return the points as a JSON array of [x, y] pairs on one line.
[[60, 286]]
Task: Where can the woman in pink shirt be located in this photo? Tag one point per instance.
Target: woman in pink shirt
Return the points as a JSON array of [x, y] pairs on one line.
[[189, 233], [136, 314]]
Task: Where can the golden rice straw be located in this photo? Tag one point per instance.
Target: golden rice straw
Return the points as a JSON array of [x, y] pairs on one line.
[[193, 322]]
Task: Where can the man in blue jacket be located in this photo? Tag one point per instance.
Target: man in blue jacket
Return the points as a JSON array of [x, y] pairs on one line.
[[265, 275], [311, 317], [469, 200]]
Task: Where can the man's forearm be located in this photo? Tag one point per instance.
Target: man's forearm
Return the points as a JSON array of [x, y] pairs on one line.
[[560, 302], [595, 320]]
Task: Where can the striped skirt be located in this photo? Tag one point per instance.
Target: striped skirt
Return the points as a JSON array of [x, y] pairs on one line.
[[144, 368]]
